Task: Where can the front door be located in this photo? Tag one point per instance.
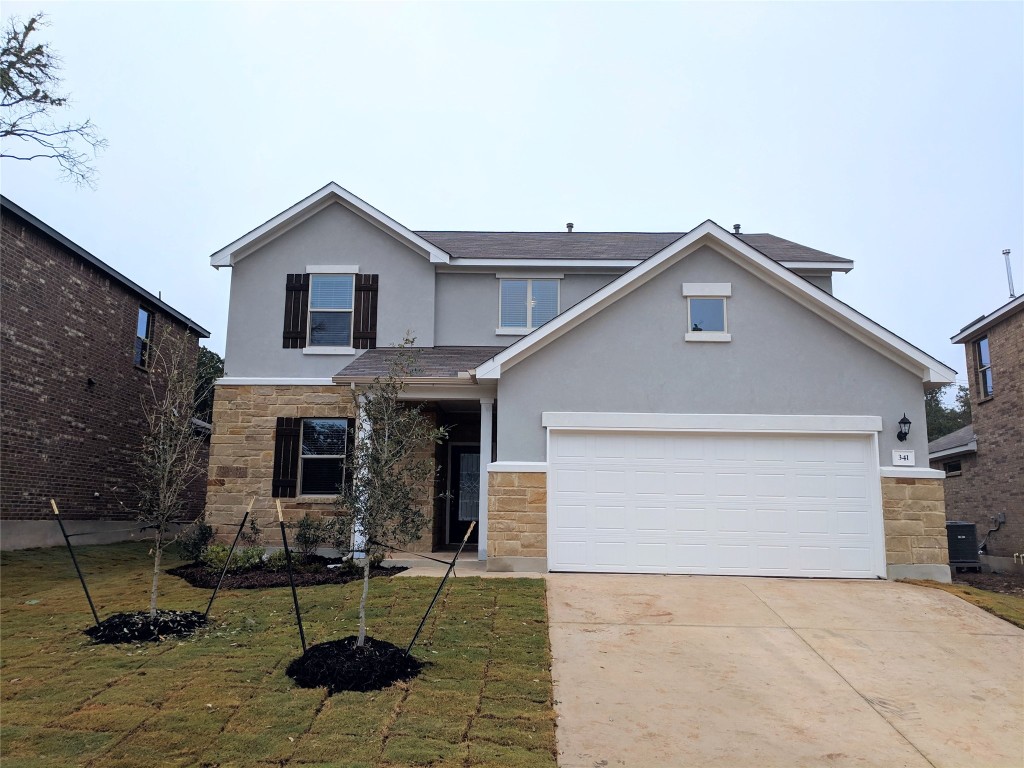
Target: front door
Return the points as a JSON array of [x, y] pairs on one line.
[[464, 492]]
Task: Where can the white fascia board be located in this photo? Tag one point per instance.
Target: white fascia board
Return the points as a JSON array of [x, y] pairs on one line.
[[517, 466], [922, 473], [231, 254], [818, 266], [245, 381], [960, 450], [988, 321], [710, 422], [820, 302], [546, 263]]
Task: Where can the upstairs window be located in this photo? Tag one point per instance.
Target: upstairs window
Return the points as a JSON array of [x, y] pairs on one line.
[[983, 368], [527, 303], [143, 338], [331, 299], [706, 316]]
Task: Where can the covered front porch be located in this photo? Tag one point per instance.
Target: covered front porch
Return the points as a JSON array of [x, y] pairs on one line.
[[441, 381]]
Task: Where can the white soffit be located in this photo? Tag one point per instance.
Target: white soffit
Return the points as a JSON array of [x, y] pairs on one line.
[[329, 195], [709, 233]]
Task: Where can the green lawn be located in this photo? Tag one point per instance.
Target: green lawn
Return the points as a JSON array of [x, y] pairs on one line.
[[221, 698]]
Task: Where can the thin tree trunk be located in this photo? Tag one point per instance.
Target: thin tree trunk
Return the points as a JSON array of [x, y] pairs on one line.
[[362, 601], [156, 572]]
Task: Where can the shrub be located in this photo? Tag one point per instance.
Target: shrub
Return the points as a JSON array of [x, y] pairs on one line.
[[311, 533], [243, 559], [276, 561], [194, 541]]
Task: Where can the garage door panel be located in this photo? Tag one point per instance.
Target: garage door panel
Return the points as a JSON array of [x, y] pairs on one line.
[[706, 503]]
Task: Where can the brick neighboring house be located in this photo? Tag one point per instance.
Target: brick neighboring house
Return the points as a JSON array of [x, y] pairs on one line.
[[73, 372], [984, 461]]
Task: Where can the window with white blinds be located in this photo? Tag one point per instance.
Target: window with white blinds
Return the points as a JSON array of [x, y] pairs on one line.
[[527, 303]]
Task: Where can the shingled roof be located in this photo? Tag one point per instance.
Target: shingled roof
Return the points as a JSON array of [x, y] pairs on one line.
[[602, 246], [962, 438], [425, 362]]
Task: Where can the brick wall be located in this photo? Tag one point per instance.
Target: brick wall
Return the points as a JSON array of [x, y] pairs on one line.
[[517, 514], [994, 483], [242, 456], [915, 521], [65, 322]]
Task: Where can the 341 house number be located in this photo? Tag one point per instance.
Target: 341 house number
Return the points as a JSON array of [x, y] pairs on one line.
[[903, 458]]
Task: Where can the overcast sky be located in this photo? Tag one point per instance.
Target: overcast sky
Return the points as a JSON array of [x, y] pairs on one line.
[[890, 134]]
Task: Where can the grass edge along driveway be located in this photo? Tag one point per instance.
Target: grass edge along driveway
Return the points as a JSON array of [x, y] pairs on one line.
[[221, 698]]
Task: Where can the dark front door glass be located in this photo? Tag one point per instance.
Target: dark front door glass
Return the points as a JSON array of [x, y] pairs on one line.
[[464, 486]]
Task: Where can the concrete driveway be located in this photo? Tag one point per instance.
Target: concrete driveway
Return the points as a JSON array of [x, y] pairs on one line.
[[734, 671]]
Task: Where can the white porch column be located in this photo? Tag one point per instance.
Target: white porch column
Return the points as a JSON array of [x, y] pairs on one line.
[[486, 416], [362, 426]]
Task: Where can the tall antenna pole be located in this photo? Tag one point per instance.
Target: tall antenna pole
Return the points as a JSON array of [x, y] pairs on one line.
[[1009, 272]]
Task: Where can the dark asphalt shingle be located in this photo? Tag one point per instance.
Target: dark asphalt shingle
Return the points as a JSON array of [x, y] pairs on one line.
[[599, 245], [426, 362], [961, 437]]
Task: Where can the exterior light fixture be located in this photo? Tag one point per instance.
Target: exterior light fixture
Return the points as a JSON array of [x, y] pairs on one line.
[[904, 428]]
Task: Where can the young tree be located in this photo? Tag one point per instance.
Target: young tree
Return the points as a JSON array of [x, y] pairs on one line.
[[30, 81], [390, 466], [171, 457]]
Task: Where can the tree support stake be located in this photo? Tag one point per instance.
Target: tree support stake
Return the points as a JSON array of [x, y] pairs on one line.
[[291, 579], [74, 560], [451, 567], [227, 562]]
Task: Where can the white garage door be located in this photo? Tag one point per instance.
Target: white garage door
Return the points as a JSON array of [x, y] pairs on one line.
[[751, 504]]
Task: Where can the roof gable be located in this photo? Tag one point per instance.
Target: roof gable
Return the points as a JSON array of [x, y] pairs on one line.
[[332, 194], [709, 233], [985, 322]]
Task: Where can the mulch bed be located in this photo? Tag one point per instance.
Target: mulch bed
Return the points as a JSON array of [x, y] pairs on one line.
[[340, 665], [1005, 583], [140, 628], [306, 575]]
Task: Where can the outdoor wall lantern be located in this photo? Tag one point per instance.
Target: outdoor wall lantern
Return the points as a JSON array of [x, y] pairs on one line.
[[904, 428]]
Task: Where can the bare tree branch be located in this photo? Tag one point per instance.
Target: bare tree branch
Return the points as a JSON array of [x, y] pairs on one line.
[[29, 79]]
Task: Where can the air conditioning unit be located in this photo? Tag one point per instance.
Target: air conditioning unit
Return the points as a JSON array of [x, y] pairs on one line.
[[962, 539]]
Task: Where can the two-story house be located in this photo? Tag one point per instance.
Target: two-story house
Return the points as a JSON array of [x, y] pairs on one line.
[[75, 368], [984, 462], [677, 402]]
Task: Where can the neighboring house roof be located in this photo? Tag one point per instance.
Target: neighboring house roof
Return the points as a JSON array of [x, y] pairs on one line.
[[985, 322], [962, 441], [811, 297], [79, 251], [609, 246], [332, 194], [424, 363]]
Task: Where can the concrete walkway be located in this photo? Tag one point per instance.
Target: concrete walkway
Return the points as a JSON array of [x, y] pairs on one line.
[[732, 671]]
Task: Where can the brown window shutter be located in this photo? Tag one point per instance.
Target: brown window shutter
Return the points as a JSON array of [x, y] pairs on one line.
[[364, 328], [296, 307], [286, 458]]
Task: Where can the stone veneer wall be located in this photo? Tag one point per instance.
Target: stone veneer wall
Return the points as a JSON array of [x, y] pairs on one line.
[[242, 455], [517, 514], [915, 521]]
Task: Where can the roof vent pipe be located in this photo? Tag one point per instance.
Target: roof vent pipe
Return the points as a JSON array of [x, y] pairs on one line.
[[568, 227], [1009, 272], [736, 228]]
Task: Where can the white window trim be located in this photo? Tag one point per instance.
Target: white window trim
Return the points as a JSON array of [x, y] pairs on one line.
[[707, 290], [523, 331], [329, 350], [332, 269], [716, 336]]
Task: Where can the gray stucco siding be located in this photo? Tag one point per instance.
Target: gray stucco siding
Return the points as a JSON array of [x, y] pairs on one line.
[[467, 304], [632, 358], [332, 236]]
